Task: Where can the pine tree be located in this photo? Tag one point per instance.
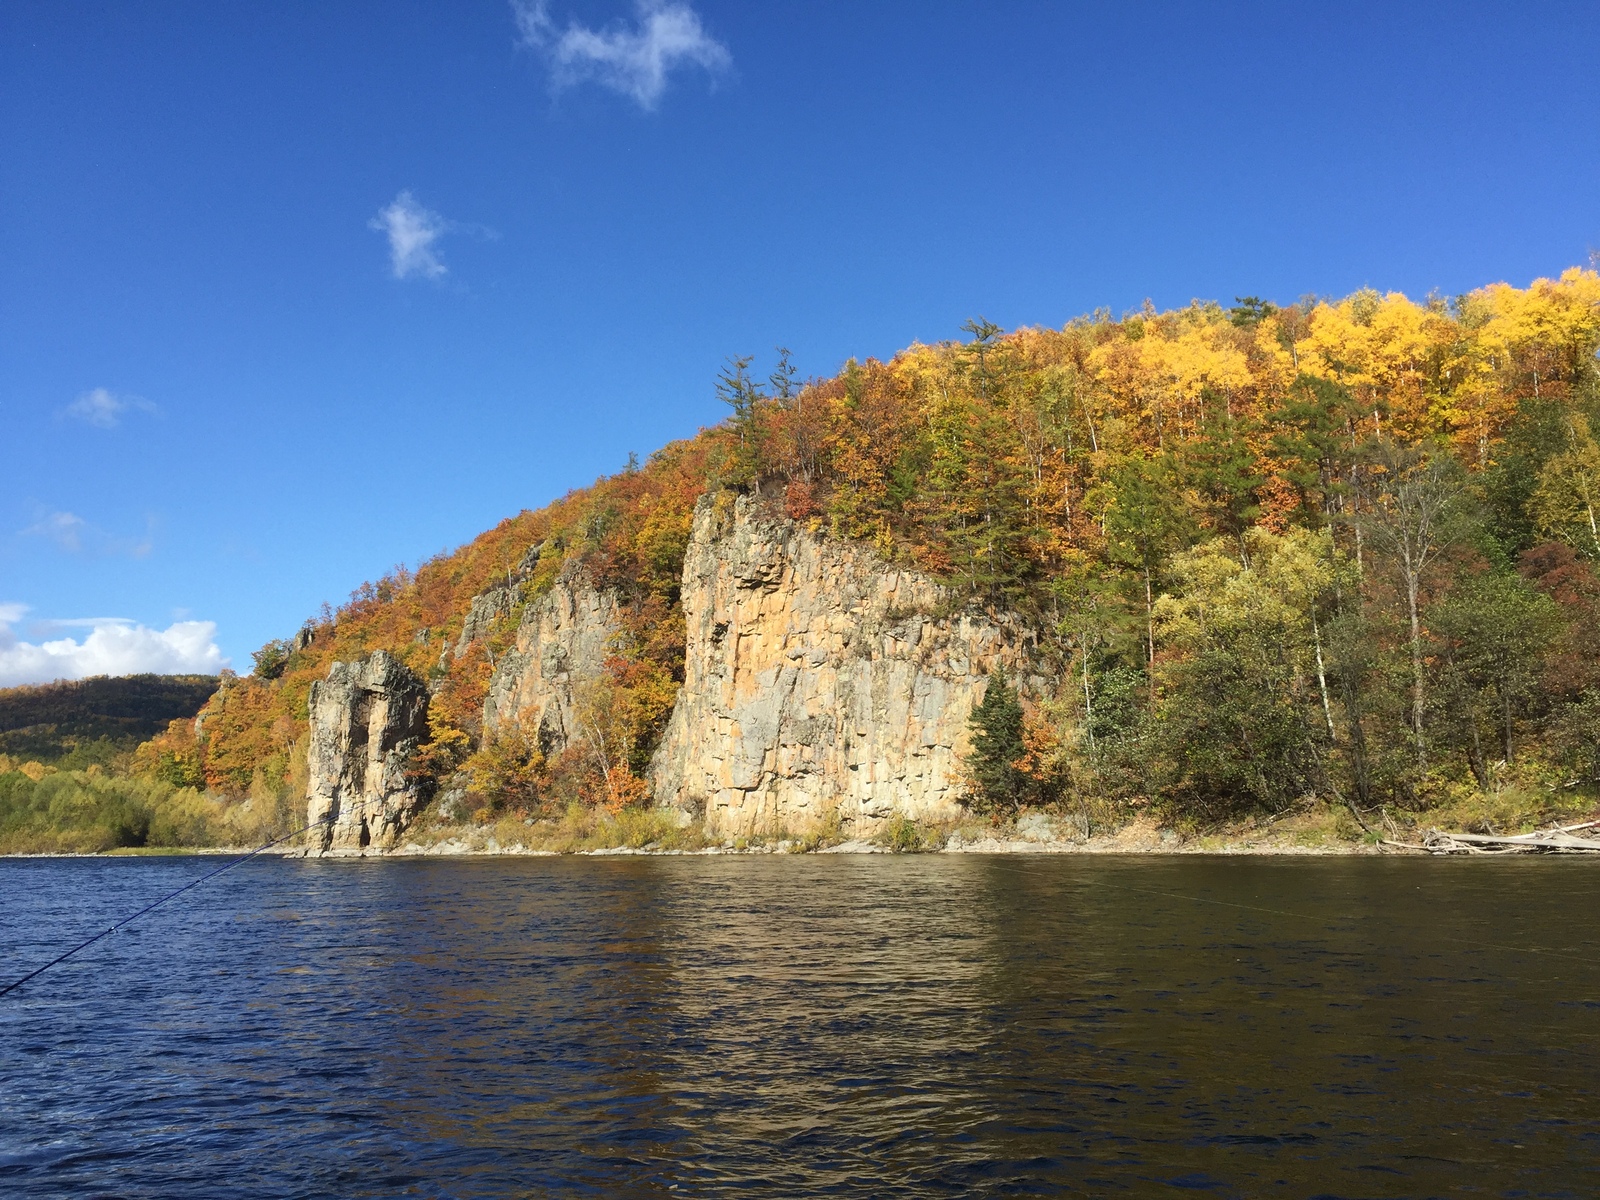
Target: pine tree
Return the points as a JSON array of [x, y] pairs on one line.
[[742, 394], [997, 745]]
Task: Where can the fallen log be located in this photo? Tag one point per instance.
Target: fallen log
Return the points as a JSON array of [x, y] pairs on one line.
[[1541, 841]]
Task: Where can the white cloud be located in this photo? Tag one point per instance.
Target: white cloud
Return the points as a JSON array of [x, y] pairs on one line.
[[113, 646], [65, 529], [632, 59], [104, 409], [73, 534], [412, 231]]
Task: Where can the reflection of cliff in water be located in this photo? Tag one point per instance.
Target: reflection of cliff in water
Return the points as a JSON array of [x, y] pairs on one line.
[[644, 1019], [830, 1008]]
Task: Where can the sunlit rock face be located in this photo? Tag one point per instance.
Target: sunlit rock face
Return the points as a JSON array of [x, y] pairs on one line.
[[496, 603], [562, 644], [367, 719], [819, 680]]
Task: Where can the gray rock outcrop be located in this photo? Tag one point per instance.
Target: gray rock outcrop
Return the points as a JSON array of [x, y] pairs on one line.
[[488, 608], [494, 604], [367, 719], [819, 680], [563, 640]]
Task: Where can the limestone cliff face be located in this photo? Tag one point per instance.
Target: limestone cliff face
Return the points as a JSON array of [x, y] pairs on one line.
[[819, 679], [367, 719], [562, 642]]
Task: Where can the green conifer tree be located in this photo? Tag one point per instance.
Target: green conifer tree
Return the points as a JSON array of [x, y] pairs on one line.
[[998, 783]]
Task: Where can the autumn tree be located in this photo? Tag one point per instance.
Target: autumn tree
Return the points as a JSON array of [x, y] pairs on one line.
[[1412, 519], [1245, 716], [1496, 632], [1568, 491], [1146, 521]]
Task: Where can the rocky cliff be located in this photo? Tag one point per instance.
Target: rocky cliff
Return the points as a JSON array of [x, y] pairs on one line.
[[563, 640], [496, 603], [367, 719], [820, 683], [819, 680]]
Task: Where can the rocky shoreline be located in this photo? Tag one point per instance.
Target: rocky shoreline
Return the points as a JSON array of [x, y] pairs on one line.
[[1037, 835], [1033, 834]]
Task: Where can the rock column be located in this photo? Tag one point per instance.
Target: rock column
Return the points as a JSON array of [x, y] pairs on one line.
[[367, 719]]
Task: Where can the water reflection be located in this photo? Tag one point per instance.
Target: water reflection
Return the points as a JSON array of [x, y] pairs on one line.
[[871, 979], [844, 1026]]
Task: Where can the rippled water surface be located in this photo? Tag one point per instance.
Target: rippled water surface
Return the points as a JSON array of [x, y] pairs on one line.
[[848, 1026]]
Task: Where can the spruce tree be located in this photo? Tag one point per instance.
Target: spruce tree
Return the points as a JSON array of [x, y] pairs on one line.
[[998, 783], [739, 392]]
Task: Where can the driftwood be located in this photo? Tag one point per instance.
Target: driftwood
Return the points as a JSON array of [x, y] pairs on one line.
[[1541, 841]]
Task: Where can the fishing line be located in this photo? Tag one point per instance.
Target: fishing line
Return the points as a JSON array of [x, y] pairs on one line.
[[1281, 912], [157, 904]]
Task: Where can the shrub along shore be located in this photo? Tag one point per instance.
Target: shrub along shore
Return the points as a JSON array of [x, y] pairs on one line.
[[130, 817]]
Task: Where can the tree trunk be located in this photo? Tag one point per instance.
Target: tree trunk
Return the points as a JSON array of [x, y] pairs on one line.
[[1150, 627], [1475, 759], [1505, 709], [1412, 583], [1359, 773], [1088, 705], [1322, 676], [1594, 530]]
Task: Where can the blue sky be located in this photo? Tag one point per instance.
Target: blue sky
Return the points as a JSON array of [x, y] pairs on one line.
[[222, 403]]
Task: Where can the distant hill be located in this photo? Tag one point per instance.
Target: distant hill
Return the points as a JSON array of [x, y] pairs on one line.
[[93, 720]]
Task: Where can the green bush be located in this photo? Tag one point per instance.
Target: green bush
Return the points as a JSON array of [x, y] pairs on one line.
[[83, 812]]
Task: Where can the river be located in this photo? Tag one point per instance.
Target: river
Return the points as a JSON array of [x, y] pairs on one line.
[[799, 1025]]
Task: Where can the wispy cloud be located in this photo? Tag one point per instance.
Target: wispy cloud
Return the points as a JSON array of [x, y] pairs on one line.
[[412, 230], [65, 529], [634, 59], [104, 409], [113, 646], [74, 535]]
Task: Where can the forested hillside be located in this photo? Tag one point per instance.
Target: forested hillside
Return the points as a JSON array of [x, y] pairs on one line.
[[75, 723], [1341, 549]]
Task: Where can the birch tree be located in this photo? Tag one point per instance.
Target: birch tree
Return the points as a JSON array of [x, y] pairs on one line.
[[1409, 522]]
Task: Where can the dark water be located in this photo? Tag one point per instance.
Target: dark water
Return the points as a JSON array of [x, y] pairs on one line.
[[809, 1026]]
